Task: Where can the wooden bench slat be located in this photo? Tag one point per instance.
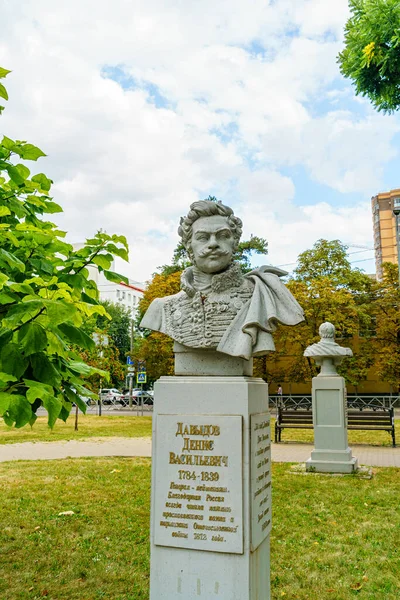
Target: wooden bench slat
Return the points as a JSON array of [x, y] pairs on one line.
[[377, 427]]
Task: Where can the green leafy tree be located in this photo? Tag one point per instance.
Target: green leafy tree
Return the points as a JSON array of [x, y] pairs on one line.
[[45, 294], [117, 325], [386, 334], [153, 347], [107, 360], [328, 289], [329, 259], [371, 57]]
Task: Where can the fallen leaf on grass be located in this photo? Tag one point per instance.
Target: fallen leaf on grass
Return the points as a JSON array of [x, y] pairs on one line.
[[356, 586], [116, 471], [66, 513], [37, 527], [331, 590], [365, 578]]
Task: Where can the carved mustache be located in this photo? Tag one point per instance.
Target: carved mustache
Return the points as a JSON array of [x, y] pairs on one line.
[[206, 253]]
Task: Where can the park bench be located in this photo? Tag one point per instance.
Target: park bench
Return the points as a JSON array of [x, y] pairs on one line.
[[378, 419]]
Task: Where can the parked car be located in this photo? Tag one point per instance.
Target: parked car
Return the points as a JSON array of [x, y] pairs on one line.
[[111, 396], [137, 395]]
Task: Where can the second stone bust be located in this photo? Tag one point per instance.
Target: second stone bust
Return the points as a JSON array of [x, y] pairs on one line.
[[218, 307]]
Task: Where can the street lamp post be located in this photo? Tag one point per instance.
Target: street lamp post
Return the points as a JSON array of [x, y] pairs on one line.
[[396, 212]]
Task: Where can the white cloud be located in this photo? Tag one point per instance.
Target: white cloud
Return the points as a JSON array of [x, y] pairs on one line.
[[351, 225], [241, 80]]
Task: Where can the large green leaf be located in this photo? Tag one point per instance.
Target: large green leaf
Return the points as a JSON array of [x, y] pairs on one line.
[[115, 277], [10, 259], [23, 312], [5, 399], [84, 369], [12, 360], [19, 411], [36, 390], [42, 265], [15, 175], [103, 261], [76, 336], [53, 406], [118, 251], [52, 207], [5, 337], [32, 338], [23, 171], [43, 181], [59, 311], [6, 377], [44, 370], [3, 73], [28, 152], [3, 279], [64, 412], [56, 345], [4, 211], [7, 298], [74, 398], [3, 92]]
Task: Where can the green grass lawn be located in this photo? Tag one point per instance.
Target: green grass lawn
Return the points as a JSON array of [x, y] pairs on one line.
[[334, 538], [89, 426], [110, 426]]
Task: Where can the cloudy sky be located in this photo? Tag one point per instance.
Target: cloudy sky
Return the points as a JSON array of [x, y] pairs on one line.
[[144, 106]]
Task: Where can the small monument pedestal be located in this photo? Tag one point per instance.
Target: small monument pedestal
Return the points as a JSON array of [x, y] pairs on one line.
[[211, 488], [331, 453]]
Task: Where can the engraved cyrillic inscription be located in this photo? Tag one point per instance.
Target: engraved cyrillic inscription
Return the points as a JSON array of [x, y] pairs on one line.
[[260, 475], [199, 477]]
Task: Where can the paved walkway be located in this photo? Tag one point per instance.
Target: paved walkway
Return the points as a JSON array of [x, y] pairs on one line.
[[374, 456]]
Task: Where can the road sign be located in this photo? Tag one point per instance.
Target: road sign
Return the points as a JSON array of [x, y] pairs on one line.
[[129, 361], [141, 377], [131, 369], [141, 366]]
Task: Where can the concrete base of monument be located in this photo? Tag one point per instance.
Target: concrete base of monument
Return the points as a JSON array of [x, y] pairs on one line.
[[211, 489], [332, 461]]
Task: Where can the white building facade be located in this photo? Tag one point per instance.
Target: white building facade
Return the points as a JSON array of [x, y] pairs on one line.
[[127, 294]]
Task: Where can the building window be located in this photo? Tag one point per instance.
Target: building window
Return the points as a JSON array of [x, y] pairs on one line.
[[117, 294], [129, 297], [123, 295]]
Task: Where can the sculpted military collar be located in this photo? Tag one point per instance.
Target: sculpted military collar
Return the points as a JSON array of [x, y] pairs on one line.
[[231, 278]]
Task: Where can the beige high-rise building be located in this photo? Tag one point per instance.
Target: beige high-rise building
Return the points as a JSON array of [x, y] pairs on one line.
[[385, 238]]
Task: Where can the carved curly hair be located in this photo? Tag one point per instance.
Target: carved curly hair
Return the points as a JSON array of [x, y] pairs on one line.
[[207, 208]]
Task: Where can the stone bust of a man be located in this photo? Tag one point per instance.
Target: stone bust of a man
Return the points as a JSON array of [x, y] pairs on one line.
[[219, 308]]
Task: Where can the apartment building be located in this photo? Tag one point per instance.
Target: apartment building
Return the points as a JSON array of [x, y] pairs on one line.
[[384, 223]]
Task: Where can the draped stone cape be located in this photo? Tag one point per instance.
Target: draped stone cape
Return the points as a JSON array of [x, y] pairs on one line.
[[250, 332]]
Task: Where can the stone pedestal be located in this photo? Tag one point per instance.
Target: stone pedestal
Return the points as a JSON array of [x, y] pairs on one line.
[[331, 453], [211, 489]]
